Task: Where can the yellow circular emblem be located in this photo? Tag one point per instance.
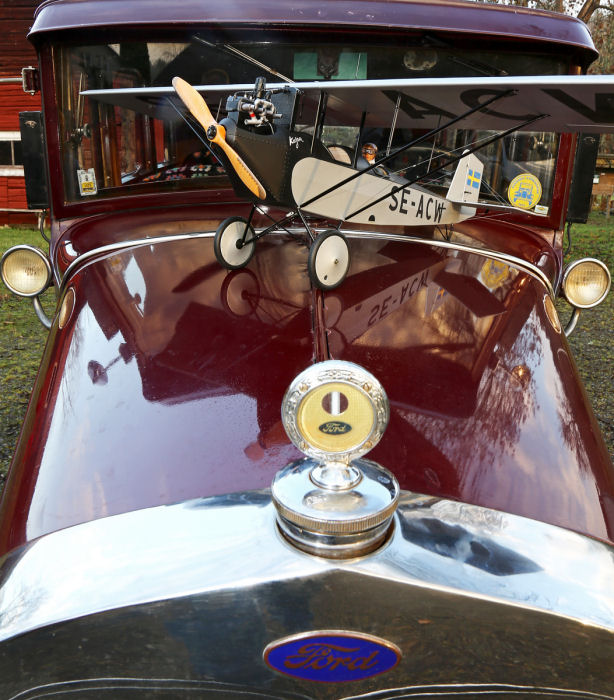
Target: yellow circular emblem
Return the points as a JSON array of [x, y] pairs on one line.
[[525, 191], [494, 272], [335, 411], [336, 417]]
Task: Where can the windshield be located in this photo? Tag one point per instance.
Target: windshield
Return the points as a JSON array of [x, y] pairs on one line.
[[114, 149]]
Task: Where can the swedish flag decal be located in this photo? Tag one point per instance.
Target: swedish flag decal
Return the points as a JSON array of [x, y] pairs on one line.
[[473, 178]]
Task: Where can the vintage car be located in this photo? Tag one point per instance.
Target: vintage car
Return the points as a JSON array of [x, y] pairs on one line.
[[281, 449]]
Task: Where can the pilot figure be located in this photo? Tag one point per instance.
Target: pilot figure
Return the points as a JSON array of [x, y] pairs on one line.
[[369, 155]]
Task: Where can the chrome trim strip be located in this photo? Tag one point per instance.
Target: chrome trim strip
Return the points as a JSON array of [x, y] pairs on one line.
[[125, 245], [511, 260], [231, 543], [473, 690], [151, 686]]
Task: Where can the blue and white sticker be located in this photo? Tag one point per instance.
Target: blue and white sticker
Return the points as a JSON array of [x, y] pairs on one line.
[[332, 657]]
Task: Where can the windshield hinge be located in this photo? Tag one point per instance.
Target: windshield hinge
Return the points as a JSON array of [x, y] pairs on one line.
[[30, 80]]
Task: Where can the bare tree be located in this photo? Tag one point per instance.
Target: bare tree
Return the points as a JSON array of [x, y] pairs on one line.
[[599, 16]]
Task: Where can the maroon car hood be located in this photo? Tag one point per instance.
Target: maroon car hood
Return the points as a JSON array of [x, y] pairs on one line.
[[166, 383]]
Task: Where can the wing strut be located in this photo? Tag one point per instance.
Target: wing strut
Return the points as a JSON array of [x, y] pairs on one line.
[[320, 114], [363, 119], [393, 126]]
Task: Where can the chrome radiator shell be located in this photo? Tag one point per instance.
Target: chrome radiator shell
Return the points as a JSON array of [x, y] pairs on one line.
[[188, 596]]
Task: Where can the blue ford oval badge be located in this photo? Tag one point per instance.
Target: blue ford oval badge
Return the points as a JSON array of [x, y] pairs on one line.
[[335, 427], [332, 657]]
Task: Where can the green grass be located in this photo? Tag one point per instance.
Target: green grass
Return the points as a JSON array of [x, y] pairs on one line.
[[22, 337], [594, 239], [592, 343]]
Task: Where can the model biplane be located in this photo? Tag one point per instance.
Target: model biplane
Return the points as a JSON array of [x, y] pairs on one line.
[[270, 163]]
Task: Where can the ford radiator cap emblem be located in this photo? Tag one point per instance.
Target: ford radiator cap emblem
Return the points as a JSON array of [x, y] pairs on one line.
[[335, 504], [332, 656], [335, 427]]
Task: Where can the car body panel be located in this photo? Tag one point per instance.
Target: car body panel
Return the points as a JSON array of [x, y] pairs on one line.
[[452, 16], [166, 382]]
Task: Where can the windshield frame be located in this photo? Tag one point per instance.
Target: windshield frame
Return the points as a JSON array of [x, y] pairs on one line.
[[222, 191]]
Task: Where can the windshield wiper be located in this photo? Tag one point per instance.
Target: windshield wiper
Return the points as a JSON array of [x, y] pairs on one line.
[[245, 57], [478, 66]]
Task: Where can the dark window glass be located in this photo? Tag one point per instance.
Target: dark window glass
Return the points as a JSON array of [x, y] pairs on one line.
[[6, 153], [126, 144], [17, 159]]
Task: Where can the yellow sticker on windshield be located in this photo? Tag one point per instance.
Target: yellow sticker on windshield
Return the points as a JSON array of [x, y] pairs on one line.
[[525, 191]]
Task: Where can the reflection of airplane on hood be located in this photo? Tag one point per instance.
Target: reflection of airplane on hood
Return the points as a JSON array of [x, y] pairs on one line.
[[269, 161]]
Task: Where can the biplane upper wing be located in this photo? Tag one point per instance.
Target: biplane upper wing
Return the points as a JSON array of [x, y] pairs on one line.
[[582, 103]]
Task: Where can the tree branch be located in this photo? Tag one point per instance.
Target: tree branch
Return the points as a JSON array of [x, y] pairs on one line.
[[590, 7]]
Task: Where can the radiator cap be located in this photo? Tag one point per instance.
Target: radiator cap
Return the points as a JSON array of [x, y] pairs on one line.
[[333, 503]]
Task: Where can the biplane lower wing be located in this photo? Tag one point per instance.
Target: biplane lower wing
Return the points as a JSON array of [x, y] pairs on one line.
[[580, 103], [403, 206]]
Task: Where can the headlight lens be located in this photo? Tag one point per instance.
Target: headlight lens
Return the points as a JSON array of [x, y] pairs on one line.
[[586, 283], [25, 270]]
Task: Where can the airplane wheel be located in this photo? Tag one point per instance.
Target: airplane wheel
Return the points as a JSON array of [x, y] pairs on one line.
[[226, 243], [329, 260]]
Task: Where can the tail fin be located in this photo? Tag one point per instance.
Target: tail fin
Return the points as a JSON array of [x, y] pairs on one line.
[[465, 187]]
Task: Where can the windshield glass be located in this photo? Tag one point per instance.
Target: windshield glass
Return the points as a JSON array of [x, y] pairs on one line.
[[115, 147]]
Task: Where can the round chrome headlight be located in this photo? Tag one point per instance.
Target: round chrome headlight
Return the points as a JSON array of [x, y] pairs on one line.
[[25, 270], [586, 283]]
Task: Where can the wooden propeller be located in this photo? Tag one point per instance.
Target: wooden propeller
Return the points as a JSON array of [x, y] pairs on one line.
[[216, 133]]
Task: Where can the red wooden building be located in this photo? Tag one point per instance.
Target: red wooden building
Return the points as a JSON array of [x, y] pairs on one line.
[[16, 17]]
